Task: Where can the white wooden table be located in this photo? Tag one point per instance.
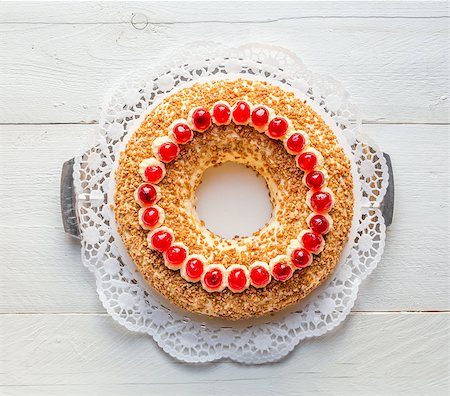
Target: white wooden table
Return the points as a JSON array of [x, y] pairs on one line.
[[57, 62]]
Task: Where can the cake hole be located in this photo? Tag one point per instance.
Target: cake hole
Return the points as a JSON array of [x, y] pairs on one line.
[[233, 200]]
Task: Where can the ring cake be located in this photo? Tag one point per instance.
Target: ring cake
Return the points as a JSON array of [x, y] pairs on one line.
[[276, 134]]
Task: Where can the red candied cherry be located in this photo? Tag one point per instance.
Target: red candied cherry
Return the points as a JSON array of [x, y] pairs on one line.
[[277, 127], [259, 276], [237, 279], [301, 258], [222, 113], [307, 161], [147, 194], [153, 173], [260, 116], [241, 112], [161, 240], [296, 143], [201, 119], [315, 179], [194, 268], [321, 201], [282, 271], [168, 151], [319, 224], [150, 217], [213, 279], [182, 133], [175, 255], [312, 242]]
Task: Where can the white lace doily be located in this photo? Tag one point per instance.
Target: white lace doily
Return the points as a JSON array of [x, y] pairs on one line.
[[125, 295]]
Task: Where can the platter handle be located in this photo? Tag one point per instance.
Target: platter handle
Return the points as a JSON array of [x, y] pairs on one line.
[[68, 201], [387, 205]]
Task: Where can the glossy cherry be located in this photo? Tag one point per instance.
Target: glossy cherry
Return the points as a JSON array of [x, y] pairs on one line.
[[237, 279], [277, 127], [194, 268], [319, 224], [296, 143], [213, 279], [153, 174], [282, 271], [312, 241], [315, 179], [182, 133], [259, 276], [301, 258], [260, 116], [201, 119], [241, 112], [321, 201], [161, 240], [175, 255], [150, 217], [168, 151], [221, 113], [307, 161], [147, 194]]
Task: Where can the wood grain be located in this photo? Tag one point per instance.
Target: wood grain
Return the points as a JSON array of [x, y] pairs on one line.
[[69, 354], [48, 275], [58, 67], [241, 12]]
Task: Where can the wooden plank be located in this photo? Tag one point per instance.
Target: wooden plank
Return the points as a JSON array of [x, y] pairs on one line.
[[394, 68], [44, 270], [47, 275], [30, 166], [369, 354], [34, 157], [417, 242], [163, 12]]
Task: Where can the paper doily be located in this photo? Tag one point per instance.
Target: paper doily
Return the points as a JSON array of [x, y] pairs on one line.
[[126, 296]]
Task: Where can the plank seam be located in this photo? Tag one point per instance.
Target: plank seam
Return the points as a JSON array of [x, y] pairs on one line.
[[274, 20]]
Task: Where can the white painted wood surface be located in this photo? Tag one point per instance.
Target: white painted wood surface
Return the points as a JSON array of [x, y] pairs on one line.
[[393, 63], [56, 63], [71, 354]]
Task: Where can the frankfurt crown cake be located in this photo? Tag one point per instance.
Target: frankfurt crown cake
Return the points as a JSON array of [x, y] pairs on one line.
[[269, 130]]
